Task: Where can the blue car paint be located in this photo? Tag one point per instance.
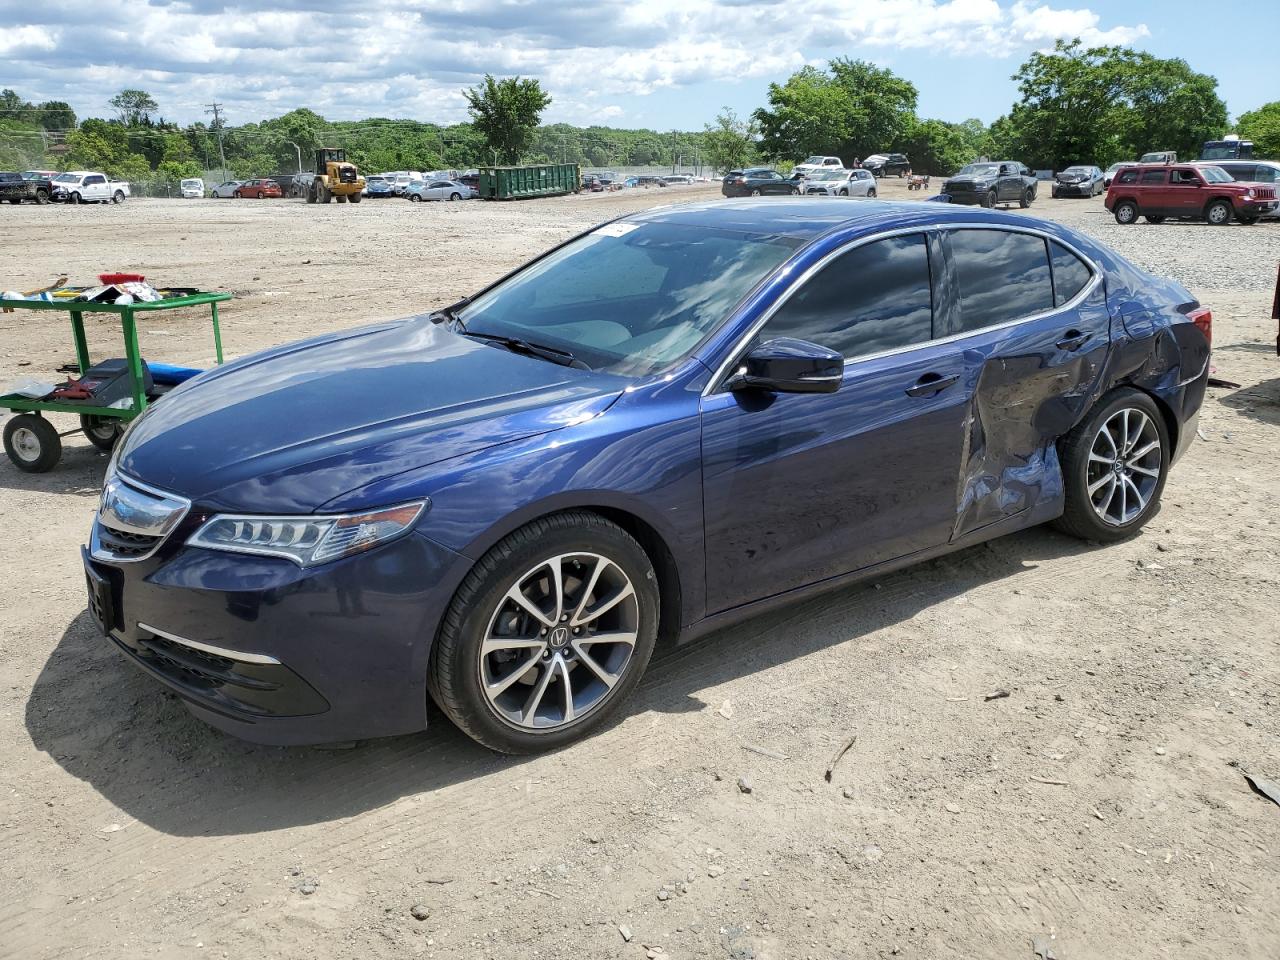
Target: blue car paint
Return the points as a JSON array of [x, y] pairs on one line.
[[722, 485]]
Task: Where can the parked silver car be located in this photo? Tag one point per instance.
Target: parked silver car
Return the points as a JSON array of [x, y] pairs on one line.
[[841, 183], [437, 190], [1078, 181], [1252, 171], [225, 190]]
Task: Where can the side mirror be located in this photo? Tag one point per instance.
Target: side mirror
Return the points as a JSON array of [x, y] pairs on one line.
[[788, 365]]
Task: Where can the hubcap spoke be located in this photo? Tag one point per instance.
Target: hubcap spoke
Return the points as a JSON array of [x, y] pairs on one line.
[[1125, 465], [559, 641], [1097, 485]]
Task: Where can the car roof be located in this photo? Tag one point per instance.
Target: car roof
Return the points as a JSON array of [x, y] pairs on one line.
[[811, 217]]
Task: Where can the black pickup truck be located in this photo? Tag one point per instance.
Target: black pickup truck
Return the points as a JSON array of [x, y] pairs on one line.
[[15, 188]]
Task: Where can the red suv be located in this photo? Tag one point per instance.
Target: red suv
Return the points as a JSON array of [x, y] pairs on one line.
[[1158, 191], [258, 189]]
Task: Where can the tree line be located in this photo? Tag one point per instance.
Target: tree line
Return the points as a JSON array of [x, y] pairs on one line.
[[1076, 104]]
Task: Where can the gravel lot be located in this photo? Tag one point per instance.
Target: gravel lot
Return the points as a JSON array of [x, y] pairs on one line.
[[1099, 808]]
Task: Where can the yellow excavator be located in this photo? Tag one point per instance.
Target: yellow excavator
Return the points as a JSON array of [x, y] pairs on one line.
[[335, 178]]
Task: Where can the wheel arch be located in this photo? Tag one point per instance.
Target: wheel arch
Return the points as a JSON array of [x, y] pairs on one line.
[[671, 595]]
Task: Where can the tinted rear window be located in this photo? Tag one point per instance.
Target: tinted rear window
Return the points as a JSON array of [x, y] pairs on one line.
[[875, 297], [1152, 176], [1002, 276], [1069, 273]]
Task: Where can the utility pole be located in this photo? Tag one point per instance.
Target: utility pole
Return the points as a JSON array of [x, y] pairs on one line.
[[216, 109]]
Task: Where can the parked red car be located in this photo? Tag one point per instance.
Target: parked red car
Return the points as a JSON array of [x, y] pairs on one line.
[[258, 190], [1182, 191]]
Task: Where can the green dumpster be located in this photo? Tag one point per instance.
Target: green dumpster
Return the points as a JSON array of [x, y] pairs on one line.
[[543, 180]]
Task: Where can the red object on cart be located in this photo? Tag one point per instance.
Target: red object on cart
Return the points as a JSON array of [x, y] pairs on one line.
[[109, 278]]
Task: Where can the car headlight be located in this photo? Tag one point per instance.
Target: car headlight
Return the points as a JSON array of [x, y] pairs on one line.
[[308, 540], [1248, 194]]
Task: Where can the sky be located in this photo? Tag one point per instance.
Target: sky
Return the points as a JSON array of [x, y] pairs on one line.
[[662, 64]]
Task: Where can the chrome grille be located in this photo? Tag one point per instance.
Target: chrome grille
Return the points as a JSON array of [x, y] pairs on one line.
[[134, 519]]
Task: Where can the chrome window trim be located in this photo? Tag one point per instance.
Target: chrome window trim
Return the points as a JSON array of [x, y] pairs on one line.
[[239, 655], [717, 382]]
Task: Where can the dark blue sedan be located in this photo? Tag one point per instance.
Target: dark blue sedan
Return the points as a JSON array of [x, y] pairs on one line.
[[666, 424]]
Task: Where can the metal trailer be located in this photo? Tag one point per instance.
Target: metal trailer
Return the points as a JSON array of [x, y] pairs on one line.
[[543, 180], [32, 443]]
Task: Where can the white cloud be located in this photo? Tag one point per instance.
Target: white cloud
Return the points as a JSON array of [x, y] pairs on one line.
[[412, 57]]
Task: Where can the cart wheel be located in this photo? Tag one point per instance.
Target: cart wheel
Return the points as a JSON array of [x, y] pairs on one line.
[[103, 432], [32, 443]]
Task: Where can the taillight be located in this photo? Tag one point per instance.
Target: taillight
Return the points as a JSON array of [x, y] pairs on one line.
[[1202, 317]]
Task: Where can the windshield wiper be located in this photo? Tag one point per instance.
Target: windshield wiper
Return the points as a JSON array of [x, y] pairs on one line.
[[517, 345], [450, 313]]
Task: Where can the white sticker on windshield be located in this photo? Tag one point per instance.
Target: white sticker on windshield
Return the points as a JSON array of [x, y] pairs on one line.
[[616, 229]]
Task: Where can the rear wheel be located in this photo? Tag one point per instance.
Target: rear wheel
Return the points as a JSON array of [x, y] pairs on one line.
[[1114, 465], [103, 432], [548, 634], [755, 193], [237, 195], [871, 193], [32, 443], [1024, 201], [1218, 213], [1126, 212], [118, 197], [355, 198], [458, 196], [42, 197]]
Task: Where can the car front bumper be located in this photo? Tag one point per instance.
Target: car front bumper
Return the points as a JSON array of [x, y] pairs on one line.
[[274, 653], [1259, 208], [970, 197], [1074, 189]]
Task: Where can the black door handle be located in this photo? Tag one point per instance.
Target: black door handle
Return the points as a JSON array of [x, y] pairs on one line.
[[931, 384], [1073, 340]]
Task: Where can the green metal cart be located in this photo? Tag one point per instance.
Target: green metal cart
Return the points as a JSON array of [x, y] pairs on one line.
[[32, 443]]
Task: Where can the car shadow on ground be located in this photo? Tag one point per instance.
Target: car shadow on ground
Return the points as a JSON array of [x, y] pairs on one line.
[[107, 724], [1261, 401]]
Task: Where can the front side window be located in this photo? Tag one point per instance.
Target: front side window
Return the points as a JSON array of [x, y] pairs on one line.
[[876, 297], [1214, 174], [1184, 178], [629, 298], [1002, 276]]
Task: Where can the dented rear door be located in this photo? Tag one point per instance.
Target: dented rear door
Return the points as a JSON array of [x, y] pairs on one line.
[[1030, 318]]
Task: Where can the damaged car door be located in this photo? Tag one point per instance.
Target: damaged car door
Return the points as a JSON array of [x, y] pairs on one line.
[[801, 487], [1030, 315]]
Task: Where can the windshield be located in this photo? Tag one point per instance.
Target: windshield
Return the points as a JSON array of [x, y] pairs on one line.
[[815, 161], [1076, 170], [830, 175], [629, 298], [66, 178], [1220, 151], [1215, 175], [973, 168], [193, 183]]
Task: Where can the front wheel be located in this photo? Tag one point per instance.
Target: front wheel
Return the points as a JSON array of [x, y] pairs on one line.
[[1114, 465], [548, 634], [1218, 213], [1126, 212], [31, 442], [1248, 221], [755, 193], [238, 195], [990, 199], [844, 193], [455, 196], [414, 198], [75, 198], [872, 193]]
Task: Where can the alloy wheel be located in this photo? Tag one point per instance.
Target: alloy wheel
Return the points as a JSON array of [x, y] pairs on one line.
[[560, 640], [1124, 466]]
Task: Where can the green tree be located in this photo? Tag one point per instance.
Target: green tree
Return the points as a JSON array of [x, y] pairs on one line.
[[729, 142], [57, 115], [851, 109], [134, 107], [506, 113], [1262, 126], [937, 147], [1101, 104]]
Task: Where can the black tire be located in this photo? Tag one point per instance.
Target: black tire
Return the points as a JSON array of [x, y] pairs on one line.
[[42, 197], [118, 197], [872, 193], [355, 198], [455, 672], [75, 198], [1247, 221], [31, 442], [103, 432], [1053, 193], [1024, 201], [1155, 218], [236, 195], [16, 201], [901, 174], [1080, 518], [844, 193], [990, 199], [795, 191], [458, 196], [414, 198], [1126, 213], [1217, 213], [755, 193]]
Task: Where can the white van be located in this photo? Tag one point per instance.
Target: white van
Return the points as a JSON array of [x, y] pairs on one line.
[[192, 188]]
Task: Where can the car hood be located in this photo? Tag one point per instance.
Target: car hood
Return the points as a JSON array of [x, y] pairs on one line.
[[289, 429]]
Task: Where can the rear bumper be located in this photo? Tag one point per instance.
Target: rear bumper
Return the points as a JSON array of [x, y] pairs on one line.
[[276, 654]]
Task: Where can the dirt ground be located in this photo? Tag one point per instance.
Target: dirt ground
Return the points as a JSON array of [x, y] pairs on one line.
[[1098, 809]]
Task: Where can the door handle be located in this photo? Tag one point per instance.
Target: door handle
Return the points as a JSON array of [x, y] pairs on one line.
[[931, 384], [1073, 340]]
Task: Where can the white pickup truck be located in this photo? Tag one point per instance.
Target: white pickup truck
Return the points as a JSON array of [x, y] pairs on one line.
[[87, 186], [817, 164]]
